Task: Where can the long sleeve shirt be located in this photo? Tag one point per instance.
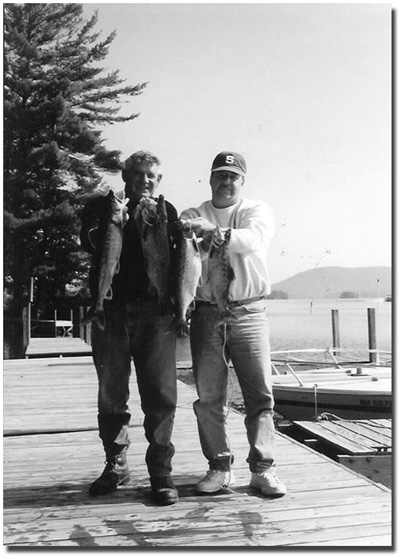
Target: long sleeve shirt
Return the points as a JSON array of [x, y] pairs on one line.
[[252, 227]]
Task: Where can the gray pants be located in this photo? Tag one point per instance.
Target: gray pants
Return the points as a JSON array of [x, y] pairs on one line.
[[245, 340]]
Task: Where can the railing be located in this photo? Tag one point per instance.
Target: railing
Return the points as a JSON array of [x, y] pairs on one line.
[[277, 359]]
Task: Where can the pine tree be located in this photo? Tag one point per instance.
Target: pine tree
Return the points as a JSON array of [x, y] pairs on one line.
[[57, 98]]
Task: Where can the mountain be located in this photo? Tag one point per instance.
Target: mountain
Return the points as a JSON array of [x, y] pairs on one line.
[[330, 282]]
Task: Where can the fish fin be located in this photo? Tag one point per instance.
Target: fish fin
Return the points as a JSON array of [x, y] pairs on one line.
[[92, 236], [195, 242], [88, 318], [109, 294], [125, 216], [101, 320], [231, 274], [211, 251]]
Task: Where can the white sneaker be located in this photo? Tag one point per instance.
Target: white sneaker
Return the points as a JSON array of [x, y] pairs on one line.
[[268, 484], [214, 481]]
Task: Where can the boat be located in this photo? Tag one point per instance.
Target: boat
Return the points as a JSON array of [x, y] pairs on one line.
[[303, 390]]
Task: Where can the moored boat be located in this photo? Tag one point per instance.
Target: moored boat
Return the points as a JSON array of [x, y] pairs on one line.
[[353, 391]]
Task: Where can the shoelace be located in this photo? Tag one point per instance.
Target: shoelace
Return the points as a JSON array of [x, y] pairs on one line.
[[270, 475], [212, 474]]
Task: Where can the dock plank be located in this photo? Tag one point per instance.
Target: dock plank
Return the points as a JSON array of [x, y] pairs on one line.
[[54, 347], [377, 435], [353, 437], [52, 452]]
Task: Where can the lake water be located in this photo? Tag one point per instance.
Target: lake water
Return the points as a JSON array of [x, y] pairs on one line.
[[296, 324]]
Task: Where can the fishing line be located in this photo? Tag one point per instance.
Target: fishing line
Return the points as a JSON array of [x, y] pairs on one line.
[[230, 400], [315, 399]]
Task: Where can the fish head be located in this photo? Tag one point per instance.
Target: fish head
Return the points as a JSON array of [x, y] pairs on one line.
[[185, 229], [148, 209], [118, 210], [153, 211], [218, 237]]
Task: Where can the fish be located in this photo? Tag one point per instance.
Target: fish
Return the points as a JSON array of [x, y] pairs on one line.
[[152, 220], [187, 274], [220, 272], [107, 254]]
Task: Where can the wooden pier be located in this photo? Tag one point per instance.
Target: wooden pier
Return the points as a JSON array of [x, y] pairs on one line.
[[364, 446], [57, 347], [52, 453]]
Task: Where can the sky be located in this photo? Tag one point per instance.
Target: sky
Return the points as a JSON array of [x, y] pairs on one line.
[[303, 91]]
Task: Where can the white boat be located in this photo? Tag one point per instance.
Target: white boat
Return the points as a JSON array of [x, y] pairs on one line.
[[347, 391]]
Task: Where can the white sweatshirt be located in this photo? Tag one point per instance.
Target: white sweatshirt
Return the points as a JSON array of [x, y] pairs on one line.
[[252, 225]]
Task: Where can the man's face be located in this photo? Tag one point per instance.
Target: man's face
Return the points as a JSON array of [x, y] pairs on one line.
[[142, 181], [225, 187]]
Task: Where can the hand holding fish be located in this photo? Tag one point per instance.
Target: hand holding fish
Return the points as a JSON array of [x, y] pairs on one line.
[[203, 229], [200, 225]]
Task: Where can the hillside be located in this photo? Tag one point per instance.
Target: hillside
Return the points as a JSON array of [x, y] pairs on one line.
[[331, 282]]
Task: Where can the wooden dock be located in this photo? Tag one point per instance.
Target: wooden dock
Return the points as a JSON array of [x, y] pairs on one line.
[[57, 347], [364, 446], [52, 453]]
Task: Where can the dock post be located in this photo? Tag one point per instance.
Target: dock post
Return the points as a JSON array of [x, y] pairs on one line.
[[81, 328], [335, 330], [372, 345], [88, 330]]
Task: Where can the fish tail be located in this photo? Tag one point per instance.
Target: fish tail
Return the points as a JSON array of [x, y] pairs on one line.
[[88, 318], [101, 320]]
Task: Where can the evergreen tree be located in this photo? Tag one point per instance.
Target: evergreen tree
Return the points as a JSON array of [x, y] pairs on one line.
[[57, 97]]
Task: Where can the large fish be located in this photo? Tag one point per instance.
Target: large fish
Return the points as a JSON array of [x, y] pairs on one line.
[[151, 220], [220, 271], [187, 276], [108, 245]]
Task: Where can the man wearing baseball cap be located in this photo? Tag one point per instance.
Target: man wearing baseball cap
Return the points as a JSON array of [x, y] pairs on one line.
[[242, 335]]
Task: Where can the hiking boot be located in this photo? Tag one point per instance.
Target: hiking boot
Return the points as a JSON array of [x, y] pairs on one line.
[[115, 473], [214, 481], [163, 490], [268, 484]]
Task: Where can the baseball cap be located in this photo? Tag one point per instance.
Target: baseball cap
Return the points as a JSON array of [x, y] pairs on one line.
[[229, 161]]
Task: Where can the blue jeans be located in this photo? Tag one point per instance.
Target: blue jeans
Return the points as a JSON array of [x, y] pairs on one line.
[[244, 340], [138, 331]]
